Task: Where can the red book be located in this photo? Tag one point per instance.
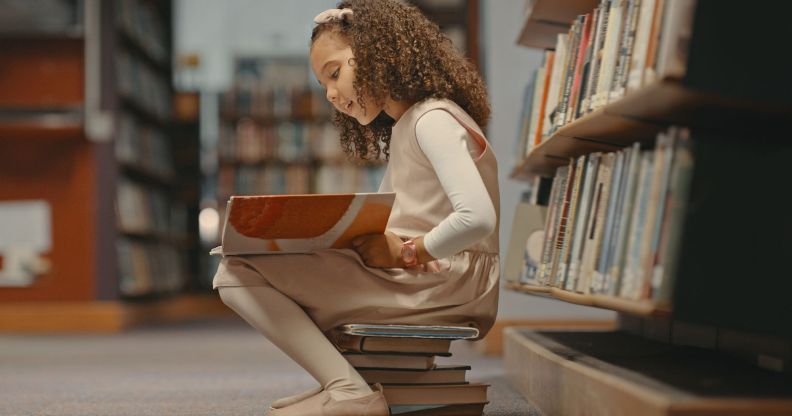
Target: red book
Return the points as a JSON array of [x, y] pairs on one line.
[[585, 43]]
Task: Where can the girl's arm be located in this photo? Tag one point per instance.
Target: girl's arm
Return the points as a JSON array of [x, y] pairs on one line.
[[450, 149]]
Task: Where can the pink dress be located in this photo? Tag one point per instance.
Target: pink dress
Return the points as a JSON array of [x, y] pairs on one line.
[[334, 286]]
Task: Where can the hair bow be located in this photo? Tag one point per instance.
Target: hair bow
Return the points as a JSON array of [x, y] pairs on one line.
[[333, 14]]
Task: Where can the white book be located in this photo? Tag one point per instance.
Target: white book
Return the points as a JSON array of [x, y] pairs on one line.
[[630, 280], [559, 62], [622, 223], [653, 201], [600, 268], [538, 91], [625, 50], [609, 53], [642, 31], [597, 220], [552, 211], [668, 250], [581, 220], [676, 34], [660, 204]]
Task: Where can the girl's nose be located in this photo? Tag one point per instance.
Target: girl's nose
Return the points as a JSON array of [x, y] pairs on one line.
[[332, 95]]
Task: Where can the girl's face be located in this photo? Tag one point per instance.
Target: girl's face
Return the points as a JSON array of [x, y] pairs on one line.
[[333, 64]]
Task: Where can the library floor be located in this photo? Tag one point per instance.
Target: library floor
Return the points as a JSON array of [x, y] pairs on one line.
[[212, 367]]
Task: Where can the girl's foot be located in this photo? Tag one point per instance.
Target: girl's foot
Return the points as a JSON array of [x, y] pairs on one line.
[[322, 404], [290, 400]]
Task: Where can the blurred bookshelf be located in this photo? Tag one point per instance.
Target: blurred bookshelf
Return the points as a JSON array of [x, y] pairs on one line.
[[87, 115]]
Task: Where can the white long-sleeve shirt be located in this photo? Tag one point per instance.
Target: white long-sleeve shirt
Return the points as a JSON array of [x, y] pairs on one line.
[[451, 150]]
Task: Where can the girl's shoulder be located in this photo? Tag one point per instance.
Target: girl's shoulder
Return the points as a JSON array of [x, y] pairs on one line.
[[429, 104]]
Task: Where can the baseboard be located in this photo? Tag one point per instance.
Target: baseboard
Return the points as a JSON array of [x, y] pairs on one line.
[[104, 316]]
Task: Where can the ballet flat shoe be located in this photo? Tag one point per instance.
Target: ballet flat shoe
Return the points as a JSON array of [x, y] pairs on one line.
[[323, 404], [290, 400]]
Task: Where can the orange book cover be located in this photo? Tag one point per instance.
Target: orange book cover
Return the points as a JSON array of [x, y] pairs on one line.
[[272, 224]]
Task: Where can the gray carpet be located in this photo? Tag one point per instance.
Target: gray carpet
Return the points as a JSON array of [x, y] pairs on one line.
[[211, 367]]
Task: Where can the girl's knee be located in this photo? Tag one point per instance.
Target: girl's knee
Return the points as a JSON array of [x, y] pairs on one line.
[[229, 296]]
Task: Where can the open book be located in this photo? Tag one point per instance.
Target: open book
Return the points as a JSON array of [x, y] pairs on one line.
[[271, 224]]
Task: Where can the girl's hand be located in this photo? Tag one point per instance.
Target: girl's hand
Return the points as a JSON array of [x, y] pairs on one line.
[[379, 250]]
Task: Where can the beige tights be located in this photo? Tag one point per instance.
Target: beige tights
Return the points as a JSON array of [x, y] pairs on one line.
[[287, 326]]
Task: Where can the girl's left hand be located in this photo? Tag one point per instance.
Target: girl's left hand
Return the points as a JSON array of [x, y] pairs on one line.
[[379, 250]]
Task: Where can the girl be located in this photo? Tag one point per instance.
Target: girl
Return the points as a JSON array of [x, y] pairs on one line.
[[400, 89]]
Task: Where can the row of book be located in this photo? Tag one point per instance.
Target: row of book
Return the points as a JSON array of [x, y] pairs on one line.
[[143, 146], [149, 267], [345, 177], [249, 141], [621, 46], [139, 83], [143, 210], [402, 359], [142, 22], [614, 220], [275, 103], [270, 179]]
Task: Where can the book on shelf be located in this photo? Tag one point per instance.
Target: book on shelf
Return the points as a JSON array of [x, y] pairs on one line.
[[624, 221], [272, 224], [525, 244], [401, 360], [579, 234], [619, 46], [439, 374]]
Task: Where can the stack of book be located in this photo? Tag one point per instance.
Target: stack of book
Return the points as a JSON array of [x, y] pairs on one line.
[[402, 359]]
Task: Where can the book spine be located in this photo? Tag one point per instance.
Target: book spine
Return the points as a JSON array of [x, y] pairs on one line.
[[618, 223], [629, 286], [622, 67], [679, 186], [641, 45], [569, 73], [609, 53], [594, 244], [561, 234], [599, 284], [578, 244], [587, 64], [558, 203], [574, 93], [605, 7], [625, 214], [648, 75], [559, 59], [660, 205], [548, 69], [548, 233], [563, 261]]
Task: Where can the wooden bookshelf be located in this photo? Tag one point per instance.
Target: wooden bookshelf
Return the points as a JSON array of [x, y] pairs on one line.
[[612, 373], [639, 116], [634, 307], [732, 116], [547, 18]]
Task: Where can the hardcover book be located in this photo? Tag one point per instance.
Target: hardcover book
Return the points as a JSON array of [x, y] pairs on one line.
[[271, 224], [440, 374]]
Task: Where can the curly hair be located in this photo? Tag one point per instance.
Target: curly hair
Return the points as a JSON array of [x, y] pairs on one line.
[[400, 54]]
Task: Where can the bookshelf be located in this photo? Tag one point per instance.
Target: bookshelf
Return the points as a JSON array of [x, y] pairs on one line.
[[86, 126], [710, 313]]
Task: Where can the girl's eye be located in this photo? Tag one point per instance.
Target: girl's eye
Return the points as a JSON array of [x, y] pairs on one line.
[[334, 75]]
